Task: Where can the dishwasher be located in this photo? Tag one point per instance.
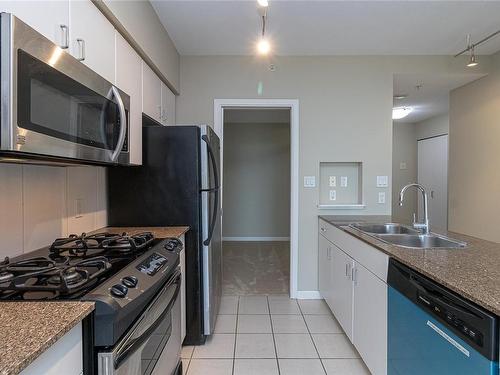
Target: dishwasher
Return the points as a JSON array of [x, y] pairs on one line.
[[432, 330]]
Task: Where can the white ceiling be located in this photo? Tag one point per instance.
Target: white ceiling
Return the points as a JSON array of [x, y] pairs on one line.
[[231, 27], [432, 99]]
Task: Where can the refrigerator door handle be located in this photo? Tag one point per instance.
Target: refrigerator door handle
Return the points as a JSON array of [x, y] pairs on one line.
[[215, 190]]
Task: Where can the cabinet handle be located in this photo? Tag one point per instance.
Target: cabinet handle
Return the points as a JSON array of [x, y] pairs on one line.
[[81, 44], [323, 229], [65, 36], [355, 275], [329, 253], [347, 273]]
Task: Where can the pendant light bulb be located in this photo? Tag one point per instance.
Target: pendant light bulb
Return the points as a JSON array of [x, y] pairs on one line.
[[263, 46], [263, 3], [472, 61]]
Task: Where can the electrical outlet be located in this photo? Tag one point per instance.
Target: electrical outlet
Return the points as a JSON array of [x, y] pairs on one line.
[[333, 181], [381, 197], [309, 181], [382, 181], [343, 181], [333, 195]]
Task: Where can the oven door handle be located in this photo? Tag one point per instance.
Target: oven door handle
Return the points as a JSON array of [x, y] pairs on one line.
[[130, 346], [123, 123]]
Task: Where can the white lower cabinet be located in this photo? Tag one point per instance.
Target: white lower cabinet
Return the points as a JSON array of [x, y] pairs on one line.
[[64, 357], [357, 296], [370, 319]]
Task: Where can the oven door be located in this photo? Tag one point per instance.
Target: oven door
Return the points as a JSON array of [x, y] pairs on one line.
[[55, 106], [153, 344]]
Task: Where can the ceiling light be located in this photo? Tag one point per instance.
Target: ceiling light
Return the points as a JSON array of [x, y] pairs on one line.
[[400, 97], [263, 46], [472, 60], [263, 3], [401, 112]]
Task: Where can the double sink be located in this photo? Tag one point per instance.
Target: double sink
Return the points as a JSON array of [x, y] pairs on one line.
[[404, 236]]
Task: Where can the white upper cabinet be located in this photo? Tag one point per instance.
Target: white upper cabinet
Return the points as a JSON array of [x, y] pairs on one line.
[[151, 93], [46, 17], [128, 79], [167, 106], [92, 38]]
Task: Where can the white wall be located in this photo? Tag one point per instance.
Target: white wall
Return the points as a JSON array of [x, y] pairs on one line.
[[404, 150], [256, 180], [474, 164], [38, 204], [432, 127]]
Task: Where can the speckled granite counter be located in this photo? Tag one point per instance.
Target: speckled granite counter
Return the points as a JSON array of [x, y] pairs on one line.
[[473, 272], [160, 232], [27, 329]]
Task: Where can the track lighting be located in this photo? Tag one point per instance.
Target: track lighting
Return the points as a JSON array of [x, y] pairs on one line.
[[472, 60], [471, 46], [263, 45]]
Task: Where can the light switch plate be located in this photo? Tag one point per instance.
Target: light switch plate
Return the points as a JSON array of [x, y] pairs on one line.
[[402, 165], [309, 181], [381, 197], [382, 181], [343, 181], [333, 195], [333, 181]]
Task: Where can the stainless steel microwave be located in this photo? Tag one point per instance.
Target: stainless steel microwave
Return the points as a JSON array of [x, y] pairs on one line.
[[53, 107]]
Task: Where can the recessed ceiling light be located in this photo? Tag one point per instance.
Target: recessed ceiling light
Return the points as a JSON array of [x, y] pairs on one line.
[[401, 96], [263, 3], [401, 112], [263, 46]]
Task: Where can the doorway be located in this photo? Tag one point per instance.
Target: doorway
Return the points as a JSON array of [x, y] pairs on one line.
[[259, 152]]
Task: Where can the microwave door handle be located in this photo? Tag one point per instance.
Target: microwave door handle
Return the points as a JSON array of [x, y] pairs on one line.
[[123, 123], [129, 348]]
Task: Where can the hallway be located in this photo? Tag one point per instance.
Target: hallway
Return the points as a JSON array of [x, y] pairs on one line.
[[256, 267]]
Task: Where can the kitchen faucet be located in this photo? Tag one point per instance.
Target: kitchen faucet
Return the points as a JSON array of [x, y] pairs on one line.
[[421, 226]]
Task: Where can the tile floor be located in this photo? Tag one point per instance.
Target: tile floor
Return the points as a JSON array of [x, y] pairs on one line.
[[274, 335]]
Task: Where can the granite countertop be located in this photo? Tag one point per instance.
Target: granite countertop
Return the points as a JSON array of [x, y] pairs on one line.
[[160, 232], [473, 272], [28, 329]]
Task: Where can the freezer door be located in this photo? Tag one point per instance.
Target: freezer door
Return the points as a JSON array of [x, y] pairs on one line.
[[211, 225]]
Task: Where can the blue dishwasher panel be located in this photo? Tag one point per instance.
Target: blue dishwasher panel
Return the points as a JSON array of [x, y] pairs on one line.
[[418, 344]]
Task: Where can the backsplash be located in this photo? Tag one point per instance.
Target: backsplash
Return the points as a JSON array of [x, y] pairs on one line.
[[40, 203]]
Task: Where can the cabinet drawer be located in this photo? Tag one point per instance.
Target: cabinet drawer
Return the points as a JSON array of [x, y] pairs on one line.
[[374, 260]]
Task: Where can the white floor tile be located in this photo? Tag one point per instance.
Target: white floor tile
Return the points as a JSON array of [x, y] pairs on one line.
[[219, 345], [255, 366], [255, 346], [301, 367], [253, 305], [283, 305], [225, 324], [288, 324], [254, 324], [295, 346], [229, 305], [187, 352], [210, 367], [334, 346], [345, 367], [322, 324], [314, 307]]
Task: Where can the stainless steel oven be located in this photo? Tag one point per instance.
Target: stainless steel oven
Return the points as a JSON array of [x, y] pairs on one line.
[[55, 107], [152, 345]]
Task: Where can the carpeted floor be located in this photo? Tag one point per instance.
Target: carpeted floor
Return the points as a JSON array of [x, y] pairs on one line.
[[256, 268]]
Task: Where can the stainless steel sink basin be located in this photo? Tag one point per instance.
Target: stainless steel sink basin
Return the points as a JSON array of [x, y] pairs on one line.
[[404, 236], [388, 228], [421, 241]]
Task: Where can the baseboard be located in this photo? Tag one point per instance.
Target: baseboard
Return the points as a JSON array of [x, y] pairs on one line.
[[245, 239], [308, 294]]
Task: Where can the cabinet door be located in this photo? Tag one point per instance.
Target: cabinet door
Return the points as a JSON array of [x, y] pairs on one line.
[[341, 296], [92, 38], [44, 16], [370, 319], [151, 93], [167, 105], [324, 268], [128, 79]]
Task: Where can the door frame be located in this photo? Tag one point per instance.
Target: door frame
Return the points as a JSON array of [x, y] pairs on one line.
[[293, 105]]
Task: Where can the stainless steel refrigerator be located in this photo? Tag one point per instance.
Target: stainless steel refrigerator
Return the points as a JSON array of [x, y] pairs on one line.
[[178, 184]]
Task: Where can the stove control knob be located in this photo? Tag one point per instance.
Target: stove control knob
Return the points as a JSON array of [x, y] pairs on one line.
[[119, 290], [130, 281]]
